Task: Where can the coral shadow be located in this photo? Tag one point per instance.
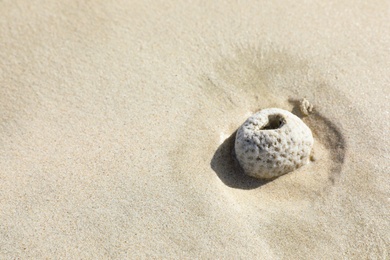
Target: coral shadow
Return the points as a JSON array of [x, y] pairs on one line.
[[228, 169]]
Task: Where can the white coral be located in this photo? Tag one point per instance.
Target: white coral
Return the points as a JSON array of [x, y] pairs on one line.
[[273, 142], [306, 107]]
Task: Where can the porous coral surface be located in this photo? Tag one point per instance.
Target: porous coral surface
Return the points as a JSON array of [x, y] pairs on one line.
[[273, 142]]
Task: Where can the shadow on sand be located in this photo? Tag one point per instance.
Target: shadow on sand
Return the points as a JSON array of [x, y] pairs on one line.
[[329, 134], [228, 169]]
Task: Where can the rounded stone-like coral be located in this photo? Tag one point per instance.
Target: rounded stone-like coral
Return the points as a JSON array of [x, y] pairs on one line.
[[272, 142]]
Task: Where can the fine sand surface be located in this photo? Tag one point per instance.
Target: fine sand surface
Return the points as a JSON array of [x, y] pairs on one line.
[[117, 121]]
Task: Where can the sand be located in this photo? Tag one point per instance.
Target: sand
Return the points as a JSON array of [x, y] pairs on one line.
[[117, 120]]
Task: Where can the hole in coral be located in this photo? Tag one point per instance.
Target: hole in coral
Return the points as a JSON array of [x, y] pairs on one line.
[[274, 122]]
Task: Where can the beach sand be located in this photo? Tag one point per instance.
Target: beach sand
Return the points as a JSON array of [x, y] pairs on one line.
[[117, 122]]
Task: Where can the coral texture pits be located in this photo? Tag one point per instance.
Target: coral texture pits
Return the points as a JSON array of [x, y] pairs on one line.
[[273, 142]]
